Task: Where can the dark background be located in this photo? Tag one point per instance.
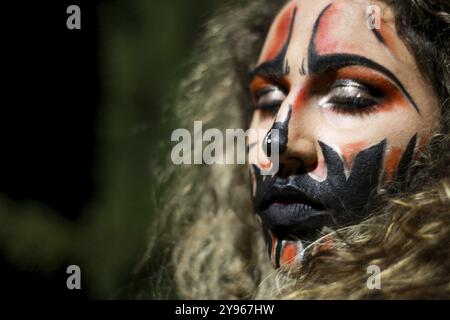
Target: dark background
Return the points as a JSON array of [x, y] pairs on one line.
[[80, 113]]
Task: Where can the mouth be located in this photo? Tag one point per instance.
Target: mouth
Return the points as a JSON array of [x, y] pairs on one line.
[[293, 215]]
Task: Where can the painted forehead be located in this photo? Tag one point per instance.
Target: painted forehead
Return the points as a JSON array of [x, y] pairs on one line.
[[343, 28], [331, 36]]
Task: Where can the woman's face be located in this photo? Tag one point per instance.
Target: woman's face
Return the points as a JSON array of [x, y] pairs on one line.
[[351, 109]]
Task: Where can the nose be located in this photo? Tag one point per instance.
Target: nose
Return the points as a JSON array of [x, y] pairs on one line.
[[297, 153], [279, 139]]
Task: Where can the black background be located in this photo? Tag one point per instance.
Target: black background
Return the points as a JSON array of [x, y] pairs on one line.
[[49, 108]]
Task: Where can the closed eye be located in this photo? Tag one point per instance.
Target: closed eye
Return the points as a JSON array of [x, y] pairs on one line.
[[269, 99], [351, 97]]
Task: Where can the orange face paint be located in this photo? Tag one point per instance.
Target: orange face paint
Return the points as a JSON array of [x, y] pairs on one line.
[[281, 33], [388, 38], [392, 97], [265, 165], [391, 162], [326, 43], [349, 151], [289, 253]]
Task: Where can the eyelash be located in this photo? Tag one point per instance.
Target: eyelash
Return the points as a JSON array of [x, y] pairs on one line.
[[274, 96], [344, 96], [351, 97]]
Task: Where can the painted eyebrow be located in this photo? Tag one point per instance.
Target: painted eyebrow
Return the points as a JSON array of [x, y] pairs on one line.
[[276, 68], [318, 64], [323, 63], [333, 62], [267, 70], [326, 63]]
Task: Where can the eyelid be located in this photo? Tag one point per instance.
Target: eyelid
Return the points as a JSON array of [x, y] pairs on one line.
[[374, 80], [356, 85], [351, 97], [269, 98], [264, 91], [348, 83], [274, 94]]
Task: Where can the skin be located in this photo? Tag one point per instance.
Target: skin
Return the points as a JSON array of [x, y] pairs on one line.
[[356, 111]]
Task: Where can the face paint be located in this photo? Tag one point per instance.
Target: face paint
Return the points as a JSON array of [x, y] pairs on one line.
[[282, 137], [348, 126], [321, 63], [278, 66], [283, 32], [297, 207]]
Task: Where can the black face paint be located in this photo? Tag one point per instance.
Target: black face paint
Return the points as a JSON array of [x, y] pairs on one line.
[[281, 139], [323, 63], [279, 246], [406, 159], [298, 206], [299, 200], [302, 70], [277, 66], [287, 68], [378, 36]]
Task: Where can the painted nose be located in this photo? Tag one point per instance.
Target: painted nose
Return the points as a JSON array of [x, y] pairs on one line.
[[277, 136], [296, 156]]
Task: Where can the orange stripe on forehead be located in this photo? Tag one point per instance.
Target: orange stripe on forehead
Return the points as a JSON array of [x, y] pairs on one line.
[[281, 31], [326, 42], [321, 62], [331, 37]]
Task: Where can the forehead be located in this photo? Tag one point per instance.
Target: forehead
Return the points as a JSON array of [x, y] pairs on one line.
[[343, 28]]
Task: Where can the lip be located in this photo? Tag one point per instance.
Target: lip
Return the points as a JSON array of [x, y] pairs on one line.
[[293, 214]]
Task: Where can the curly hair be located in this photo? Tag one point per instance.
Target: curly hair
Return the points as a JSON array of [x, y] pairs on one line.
[[206, 242]]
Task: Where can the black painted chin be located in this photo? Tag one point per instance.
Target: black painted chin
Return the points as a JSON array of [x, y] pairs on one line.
[[291, 213], [296, 202], [298, 206], [295, 221]]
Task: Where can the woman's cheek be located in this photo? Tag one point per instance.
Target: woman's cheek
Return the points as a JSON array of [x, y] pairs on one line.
[[345, 121]]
